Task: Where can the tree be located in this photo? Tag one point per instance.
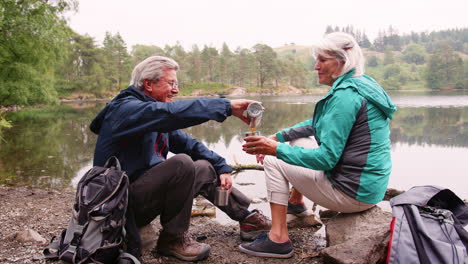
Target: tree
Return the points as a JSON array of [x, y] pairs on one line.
[[225, 63], [245, 68], [194, 65], [141, 52], [266, 62], [116, 61], [82, 70], [209, 56], [389, 58], [444, 67], [414, 53], [373, 61], [33, 37]]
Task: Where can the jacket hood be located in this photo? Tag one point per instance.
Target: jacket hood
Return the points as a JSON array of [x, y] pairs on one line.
[[369, 89], [96, 124]]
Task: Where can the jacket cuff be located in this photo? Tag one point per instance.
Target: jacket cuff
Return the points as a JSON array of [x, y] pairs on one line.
[[228, 107], [224, 169], [280, 137]]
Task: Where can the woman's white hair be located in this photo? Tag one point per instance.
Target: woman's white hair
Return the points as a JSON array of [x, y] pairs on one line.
[[344, 48], [151, 68]]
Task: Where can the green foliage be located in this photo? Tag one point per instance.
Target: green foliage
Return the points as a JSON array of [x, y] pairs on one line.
[[41, 59], [373, 61], [414, 53], [4, 124], [445, 67], [392, 83], [32, 40], [391, 70], [389, 57], [266, 63], [141, 52], [203, 88], [116, 61]]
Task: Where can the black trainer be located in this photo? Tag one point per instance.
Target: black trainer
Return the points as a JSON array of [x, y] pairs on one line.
[[264, 247], [297, 209]]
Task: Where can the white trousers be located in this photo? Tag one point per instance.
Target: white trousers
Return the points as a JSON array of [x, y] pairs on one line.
[[312, 184]]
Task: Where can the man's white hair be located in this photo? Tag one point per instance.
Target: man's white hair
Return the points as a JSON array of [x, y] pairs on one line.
[[151, 68], [344, 48]]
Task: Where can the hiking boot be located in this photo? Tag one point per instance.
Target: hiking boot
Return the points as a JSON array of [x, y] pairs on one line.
[[253, 225], [298, 210], [264, 247], [183, 248]]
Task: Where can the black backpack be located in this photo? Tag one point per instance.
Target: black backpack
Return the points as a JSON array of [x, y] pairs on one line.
[[96, 230]]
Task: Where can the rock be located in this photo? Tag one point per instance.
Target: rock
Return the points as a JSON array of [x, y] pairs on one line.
[[29, 235], [148, 238], [308, 220], [358, 237], [237, 91]]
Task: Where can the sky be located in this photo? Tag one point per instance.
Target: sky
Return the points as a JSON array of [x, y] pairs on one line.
[[244, 23]]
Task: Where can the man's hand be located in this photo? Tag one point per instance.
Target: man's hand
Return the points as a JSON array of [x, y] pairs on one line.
[[226, 181], [238, 107]]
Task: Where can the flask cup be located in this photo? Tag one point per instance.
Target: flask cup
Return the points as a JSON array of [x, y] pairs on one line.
[[254, 113], [221, 197]]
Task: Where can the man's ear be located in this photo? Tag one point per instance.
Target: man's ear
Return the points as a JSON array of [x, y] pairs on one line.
[[147, 85]]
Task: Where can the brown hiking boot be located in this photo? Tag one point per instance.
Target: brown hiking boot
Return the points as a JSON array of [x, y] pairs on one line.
[[183, 248], [253, 225]]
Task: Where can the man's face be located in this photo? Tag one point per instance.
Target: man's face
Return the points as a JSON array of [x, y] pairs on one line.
[[165, 89]]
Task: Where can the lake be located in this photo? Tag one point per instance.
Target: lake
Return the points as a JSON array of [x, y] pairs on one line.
[[53, 147]]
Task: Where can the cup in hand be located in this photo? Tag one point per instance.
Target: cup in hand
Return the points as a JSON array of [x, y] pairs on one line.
[[250, 133], [221, 197]]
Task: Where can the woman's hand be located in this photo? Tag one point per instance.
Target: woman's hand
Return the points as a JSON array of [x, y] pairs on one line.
[[260, 145]]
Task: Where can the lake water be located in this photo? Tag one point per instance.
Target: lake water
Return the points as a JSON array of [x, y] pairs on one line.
[[53, 147]]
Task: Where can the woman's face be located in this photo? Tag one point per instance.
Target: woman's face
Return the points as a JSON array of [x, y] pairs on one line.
[[326, 68]]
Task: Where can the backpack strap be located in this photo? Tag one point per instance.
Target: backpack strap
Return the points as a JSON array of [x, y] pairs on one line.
[[126, 258], [423, 258], [113, 161], [51, 251]]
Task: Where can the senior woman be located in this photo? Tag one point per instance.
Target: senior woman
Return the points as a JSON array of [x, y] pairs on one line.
[[347, 169]]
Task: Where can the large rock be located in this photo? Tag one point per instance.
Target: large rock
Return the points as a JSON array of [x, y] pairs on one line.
[[307, 220], [29, 235], [358, 237], [148, 237]]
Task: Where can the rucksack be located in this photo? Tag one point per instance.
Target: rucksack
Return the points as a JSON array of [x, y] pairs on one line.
[[96, 230], [428, 227]]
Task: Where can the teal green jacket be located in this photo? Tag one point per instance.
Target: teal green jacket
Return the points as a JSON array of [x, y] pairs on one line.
[[351, 125]]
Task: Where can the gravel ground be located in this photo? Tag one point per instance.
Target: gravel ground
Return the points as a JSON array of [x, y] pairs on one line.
[[48, 211]]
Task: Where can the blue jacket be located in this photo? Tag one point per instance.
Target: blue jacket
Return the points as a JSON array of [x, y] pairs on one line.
[[140, 131]]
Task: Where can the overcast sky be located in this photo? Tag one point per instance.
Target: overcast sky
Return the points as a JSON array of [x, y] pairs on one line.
[[245, 23]]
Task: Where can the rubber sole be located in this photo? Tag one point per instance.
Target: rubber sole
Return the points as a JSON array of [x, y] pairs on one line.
[[265, 254], [203, 254]]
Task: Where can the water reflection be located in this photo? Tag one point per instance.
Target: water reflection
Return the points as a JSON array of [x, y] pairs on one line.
[[49, 147]]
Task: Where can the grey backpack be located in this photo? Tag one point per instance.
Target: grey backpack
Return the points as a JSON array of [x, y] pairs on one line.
[[96, 231], [428, 227]]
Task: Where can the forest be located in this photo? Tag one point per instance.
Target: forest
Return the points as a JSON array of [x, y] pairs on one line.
[[42, 60]]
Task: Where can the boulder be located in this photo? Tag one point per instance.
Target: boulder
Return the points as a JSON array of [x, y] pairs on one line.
[[148, 237], [29, 235], [307, 220], [358, 237]]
